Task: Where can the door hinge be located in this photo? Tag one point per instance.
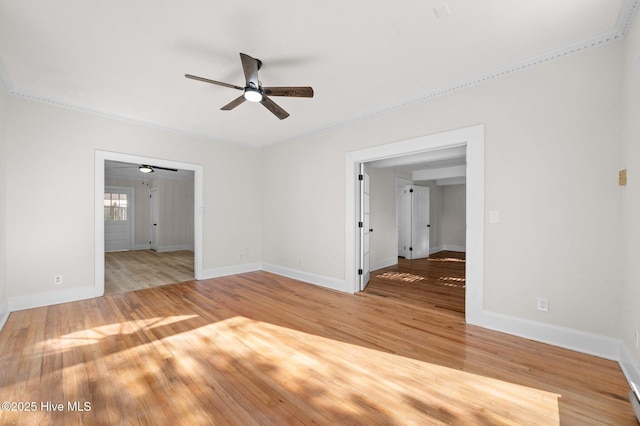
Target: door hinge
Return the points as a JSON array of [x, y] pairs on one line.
[[360, 224], [360, 272], [360, 177]]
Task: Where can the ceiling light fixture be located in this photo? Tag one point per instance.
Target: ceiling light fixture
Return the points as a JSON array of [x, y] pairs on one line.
[[252, 95], [146, 169]]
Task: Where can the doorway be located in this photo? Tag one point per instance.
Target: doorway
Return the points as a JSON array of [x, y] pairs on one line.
[[101, 157], [471, 139]]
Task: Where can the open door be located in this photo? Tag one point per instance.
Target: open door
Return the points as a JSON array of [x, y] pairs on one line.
[[155, 207], [420, 226], [118, 218], [364, 272], [413, 221]]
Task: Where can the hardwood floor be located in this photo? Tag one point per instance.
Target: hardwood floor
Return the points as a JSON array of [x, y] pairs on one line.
[[138, 269], [258, 348], [437, 282]]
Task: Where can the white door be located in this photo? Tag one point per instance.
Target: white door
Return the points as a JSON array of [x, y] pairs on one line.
[[403, 209], [155, 207], [365, 229], [420, 225], [118, 213]]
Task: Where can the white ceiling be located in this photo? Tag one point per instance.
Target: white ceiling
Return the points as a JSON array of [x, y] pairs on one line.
[[127, 59]]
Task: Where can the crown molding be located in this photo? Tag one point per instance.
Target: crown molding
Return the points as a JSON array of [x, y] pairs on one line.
[[623, 23], [627, 12]]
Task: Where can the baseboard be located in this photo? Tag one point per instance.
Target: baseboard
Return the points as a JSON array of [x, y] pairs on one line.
[[54, 297], [319, 280], [447, 247], [229, 270], [629, 366], [384, 263], [141, 247], [4, 313], [568, 338], [175, 248]]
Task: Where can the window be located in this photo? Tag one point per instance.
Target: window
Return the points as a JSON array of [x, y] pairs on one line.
[[115, 206]]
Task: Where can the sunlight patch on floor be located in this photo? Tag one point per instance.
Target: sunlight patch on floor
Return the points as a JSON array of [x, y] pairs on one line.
[[340, 380], [456, 282], [401, 276], [445, 259], [96, 334]]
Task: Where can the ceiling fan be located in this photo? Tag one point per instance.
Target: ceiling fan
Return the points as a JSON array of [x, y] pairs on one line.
[[253, 90], [145, 168]]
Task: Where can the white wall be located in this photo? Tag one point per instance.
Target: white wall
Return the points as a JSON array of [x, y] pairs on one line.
[[4, 307], [630, 295], [52, 212], [551, 158], [453, 228], [175, 213], [176, 200]]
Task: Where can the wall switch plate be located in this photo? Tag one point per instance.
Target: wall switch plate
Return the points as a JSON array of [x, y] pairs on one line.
[[543, 304]]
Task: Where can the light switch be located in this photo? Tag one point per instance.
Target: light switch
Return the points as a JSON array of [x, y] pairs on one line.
[[494, 216]]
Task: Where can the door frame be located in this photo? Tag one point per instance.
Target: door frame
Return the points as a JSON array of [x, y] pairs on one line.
[[473, 138], [198, 199]]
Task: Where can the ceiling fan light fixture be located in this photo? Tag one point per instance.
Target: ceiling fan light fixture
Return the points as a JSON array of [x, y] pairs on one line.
[[145, 169], [252, 95]]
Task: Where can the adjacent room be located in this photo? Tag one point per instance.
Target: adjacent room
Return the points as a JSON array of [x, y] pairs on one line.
[[148, 226], [302, 213]]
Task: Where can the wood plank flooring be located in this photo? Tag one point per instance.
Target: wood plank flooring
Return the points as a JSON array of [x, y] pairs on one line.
[[437, 282], [258, 348], [138, 269]]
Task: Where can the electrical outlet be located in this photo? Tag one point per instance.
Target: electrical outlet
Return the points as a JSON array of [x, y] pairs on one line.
[[543, 304], [57, 280]]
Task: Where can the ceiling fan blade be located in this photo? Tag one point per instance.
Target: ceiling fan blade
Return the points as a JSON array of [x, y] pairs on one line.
[[299, 92], [165, 168], [219, 83], [250, 67], [274, 108], [234, 103]]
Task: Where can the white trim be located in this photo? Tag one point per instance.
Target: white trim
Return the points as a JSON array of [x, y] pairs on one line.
[[53, 297], [230, 270], [447, 247], [4, 313], [141, 247], [198, 208], [568, 338], [307, 277], [629, 367], [176, 247], [473, 138]]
